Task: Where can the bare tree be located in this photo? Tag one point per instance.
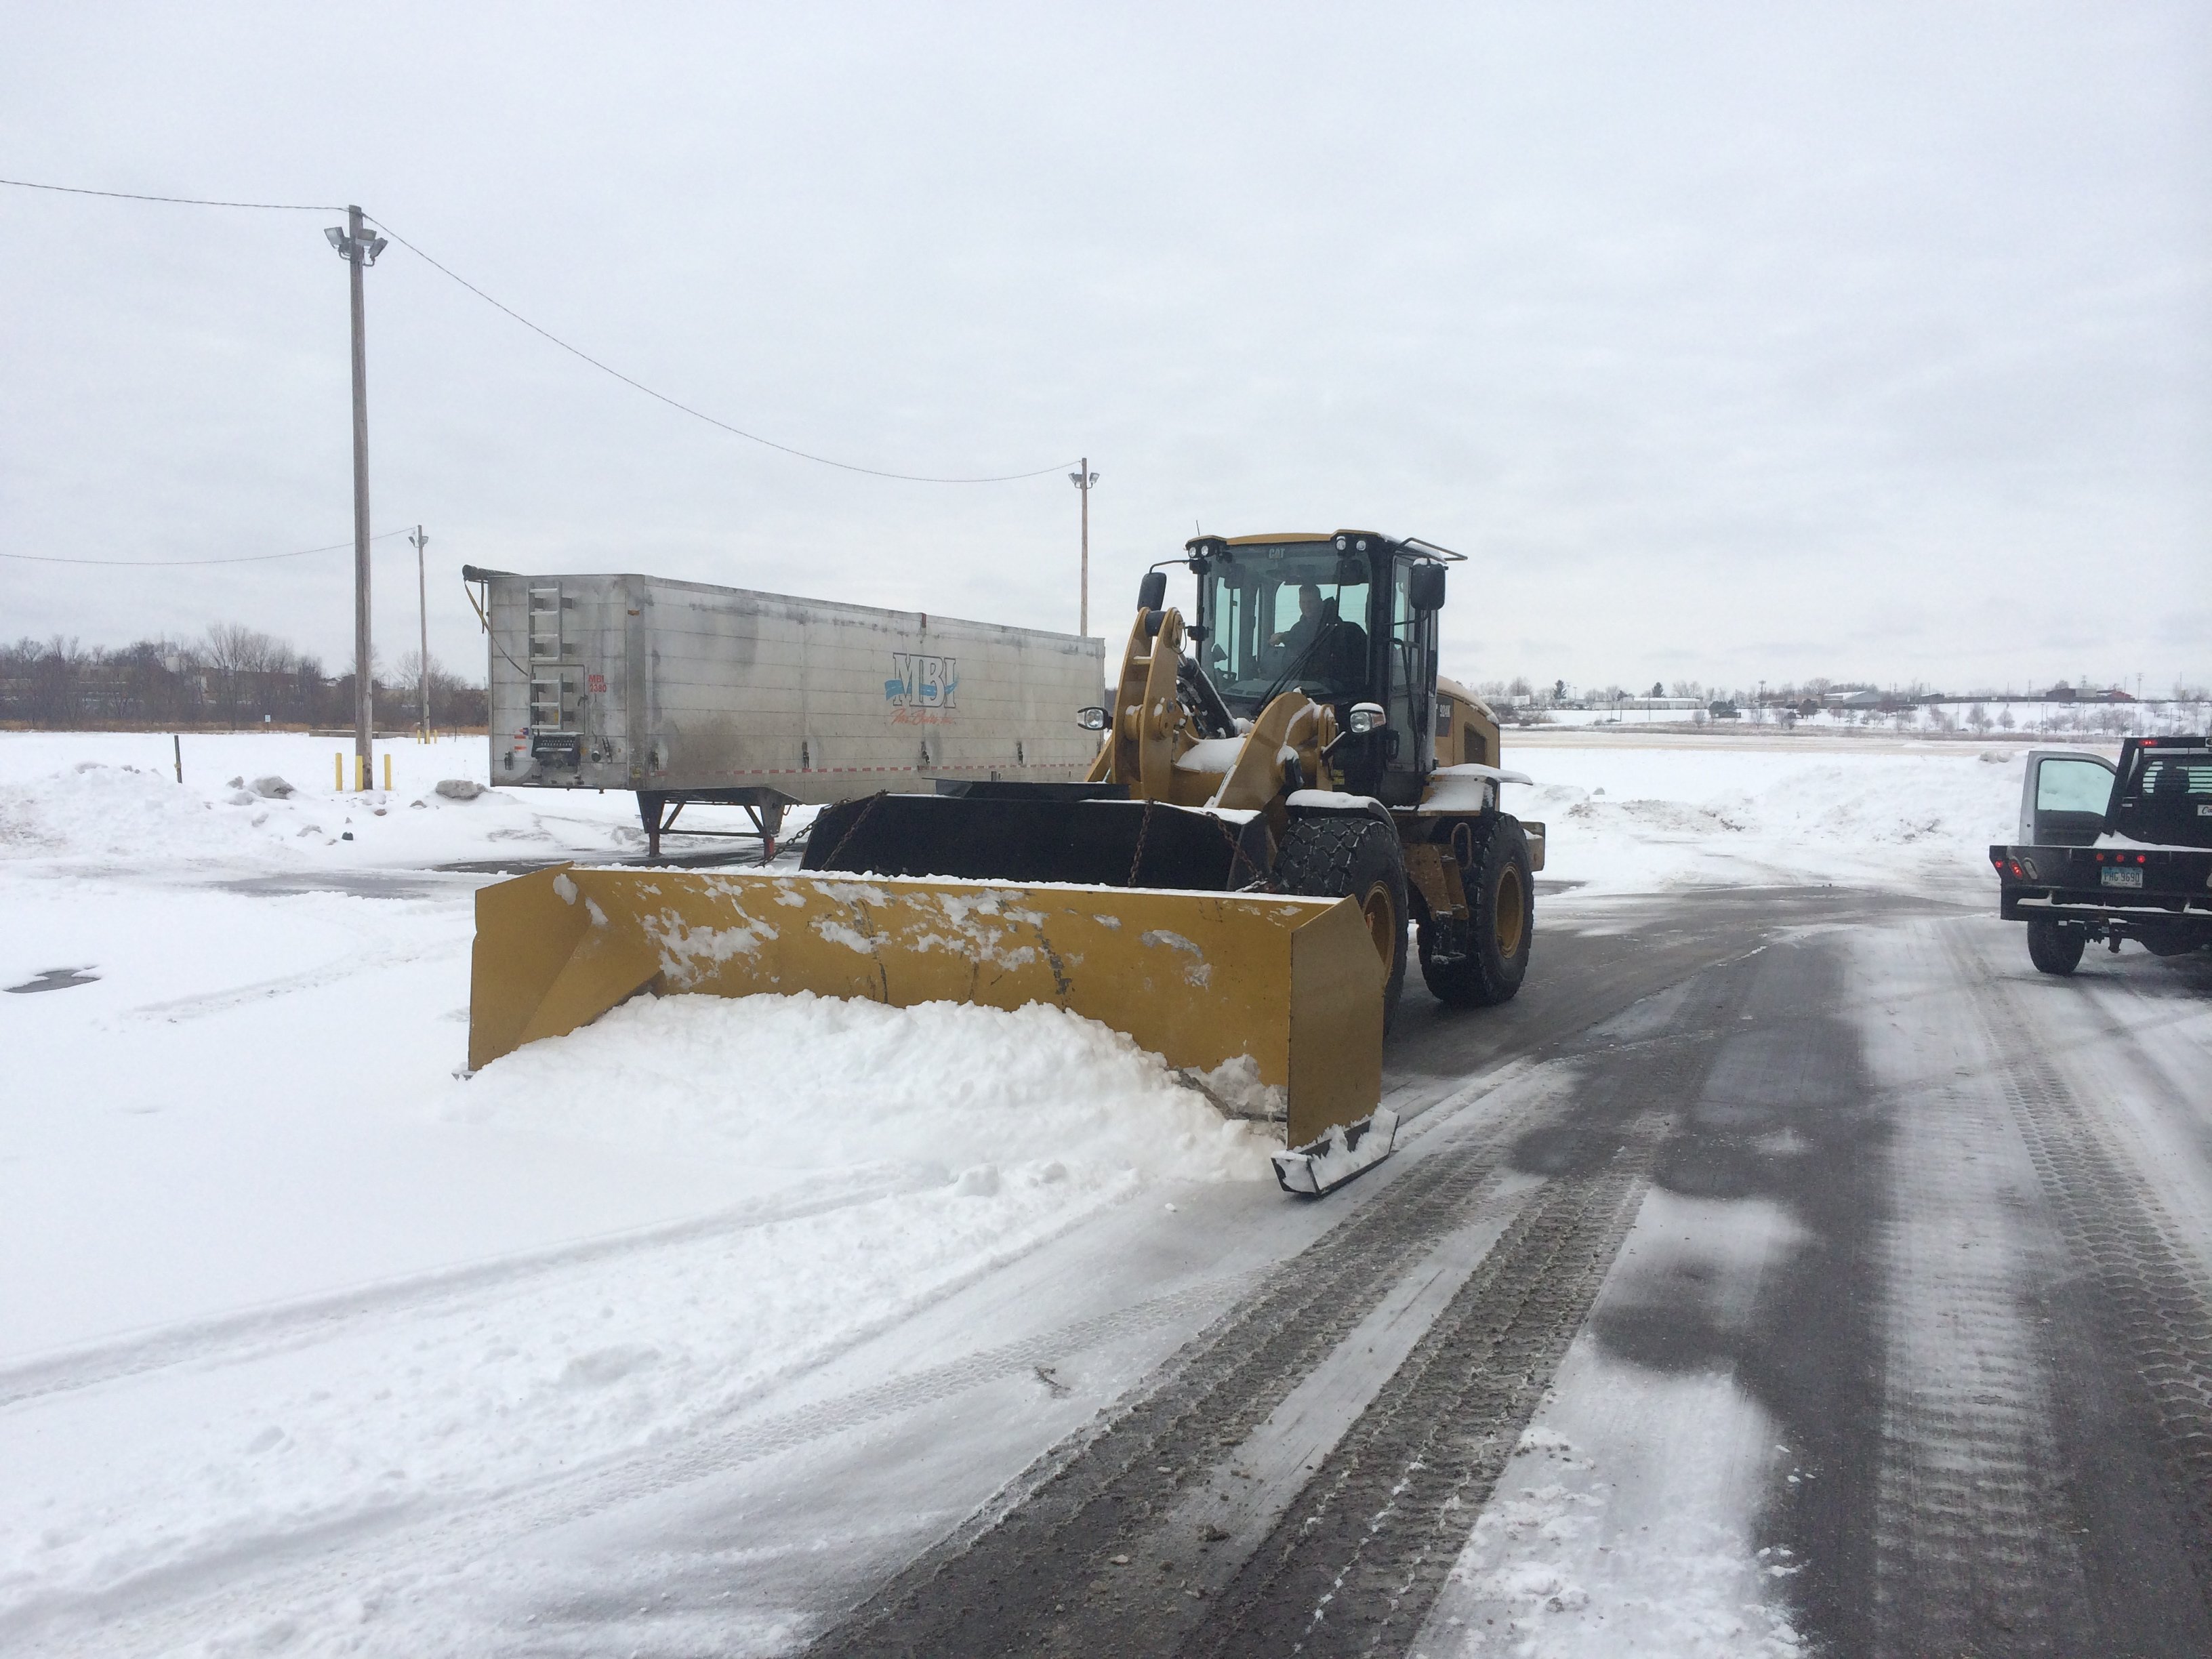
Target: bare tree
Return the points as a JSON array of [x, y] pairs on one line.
[[236, 656]]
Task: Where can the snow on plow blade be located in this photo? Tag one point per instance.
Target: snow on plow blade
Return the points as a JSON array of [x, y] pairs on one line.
[[1198, 978]]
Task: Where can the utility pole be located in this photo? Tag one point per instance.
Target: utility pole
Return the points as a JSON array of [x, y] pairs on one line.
[[422, 598], [357, 252], [1083, 481]]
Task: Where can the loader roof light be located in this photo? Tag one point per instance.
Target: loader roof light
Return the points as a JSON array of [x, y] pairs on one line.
[[1342, 542]]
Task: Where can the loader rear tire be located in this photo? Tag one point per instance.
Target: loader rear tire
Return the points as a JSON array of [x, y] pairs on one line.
[[1504, 897], [1356, 858]]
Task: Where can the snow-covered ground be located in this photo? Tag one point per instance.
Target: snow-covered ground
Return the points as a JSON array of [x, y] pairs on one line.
[[1631, 814], [271, 1268]]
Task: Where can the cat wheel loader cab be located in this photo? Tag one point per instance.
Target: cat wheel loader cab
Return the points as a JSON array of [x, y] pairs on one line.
[[1350, 621], [1283, 791]]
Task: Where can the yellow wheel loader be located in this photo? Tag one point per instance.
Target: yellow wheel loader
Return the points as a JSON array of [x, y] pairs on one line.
[[1285, 790]]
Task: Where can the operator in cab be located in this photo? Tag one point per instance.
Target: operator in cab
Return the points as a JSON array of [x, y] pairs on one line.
[[1312, 618]]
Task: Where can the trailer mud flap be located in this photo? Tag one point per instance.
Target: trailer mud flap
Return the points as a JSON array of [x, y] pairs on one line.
[[1200, 979]]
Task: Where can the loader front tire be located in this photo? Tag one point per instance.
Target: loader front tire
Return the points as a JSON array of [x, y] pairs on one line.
[[1504, 897], [1355, 858]]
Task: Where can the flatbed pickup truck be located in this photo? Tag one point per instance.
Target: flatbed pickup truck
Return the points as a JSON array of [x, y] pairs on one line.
[[2110, 851]]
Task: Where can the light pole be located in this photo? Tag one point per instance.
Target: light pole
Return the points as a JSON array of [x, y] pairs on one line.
[[357, 251], [1083, 481], [422, 599]]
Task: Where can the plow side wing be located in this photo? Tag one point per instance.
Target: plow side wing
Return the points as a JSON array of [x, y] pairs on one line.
[[1197, 978]]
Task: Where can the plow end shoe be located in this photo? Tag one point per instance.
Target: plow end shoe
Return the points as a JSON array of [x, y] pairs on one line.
[[1318, 1168]]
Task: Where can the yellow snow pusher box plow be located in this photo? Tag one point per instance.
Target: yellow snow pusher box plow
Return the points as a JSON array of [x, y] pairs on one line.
[[1200, 979], [1272, 817]]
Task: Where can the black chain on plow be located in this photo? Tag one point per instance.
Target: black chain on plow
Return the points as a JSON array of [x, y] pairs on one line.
[[1264, 881], [1144, 829], [853, 829]]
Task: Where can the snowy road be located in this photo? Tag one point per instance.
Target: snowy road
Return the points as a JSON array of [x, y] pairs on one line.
[[1788, 1270]]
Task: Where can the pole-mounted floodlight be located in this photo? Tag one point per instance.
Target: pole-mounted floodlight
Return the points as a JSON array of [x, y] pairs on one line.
[[347, 246]]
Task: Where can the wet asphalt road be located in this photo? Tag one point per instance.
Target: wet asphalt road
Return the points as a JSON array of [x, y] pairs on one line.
[[1990, 1345]]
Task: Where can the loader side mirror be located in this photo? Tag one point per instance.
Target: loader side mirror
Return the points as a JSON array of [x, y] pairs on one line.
[[1152, 592], [1425, 587], [1092, 720]]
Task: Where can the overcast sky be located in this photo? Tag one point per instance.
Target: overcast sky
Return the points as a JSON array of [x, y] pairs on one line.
[[1727, 341]]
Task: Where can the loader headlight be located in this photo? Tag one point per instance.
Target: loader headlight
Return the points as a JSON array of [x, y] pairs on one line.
[[1092, 720], [1365, 717]]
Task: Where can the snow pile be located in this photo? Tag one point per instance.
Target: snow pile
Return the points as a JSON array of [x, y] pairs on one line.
[[871, 1158], [797, 1083], [268, 801], [1638, 819]]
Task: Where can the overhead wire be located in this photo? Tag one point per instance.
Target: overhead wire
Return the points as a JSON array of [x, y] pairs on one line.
[[180, 201], [545, 333], [698, 413], [179, 564]]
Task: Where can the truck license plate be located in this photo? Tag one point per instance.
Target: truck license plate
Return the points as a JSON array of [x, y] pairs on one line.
[[2115, 877]]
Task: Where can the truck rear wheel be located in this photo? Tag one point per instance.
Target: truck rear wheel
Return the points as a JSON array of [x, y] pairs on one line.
[[1502, 895], [1355, 858], [2054, 947]]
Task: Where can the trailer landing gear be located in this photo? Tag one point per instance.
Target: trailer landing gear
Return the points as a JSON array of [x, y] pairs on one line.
[[657, 811]]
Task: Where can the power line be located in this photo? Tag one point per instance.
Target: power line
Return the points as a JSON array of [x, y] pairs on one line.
[[547, 334], [700, 415], [180, 201], [180, 565]]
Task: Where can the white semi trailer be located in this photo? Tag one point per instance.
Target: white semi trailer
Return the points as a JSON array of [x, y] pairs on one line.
[[686, 692]]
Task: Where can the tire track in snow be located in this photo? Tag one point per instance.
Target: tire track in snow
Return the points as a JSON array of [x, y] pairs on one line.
[[1014, 1579], [314, 979], [306, 1571], [2150, 1309], [1969, 1552], [1354, 1565], [251, 1333]]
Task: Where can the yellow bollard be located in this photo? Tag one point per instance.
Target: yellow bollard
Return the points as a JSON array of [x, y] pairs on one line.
[[338, 772], [387, 771]]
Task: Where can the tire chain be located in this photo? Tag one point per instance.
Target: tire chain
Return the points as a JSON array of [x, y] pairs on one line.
[[1340, 848]]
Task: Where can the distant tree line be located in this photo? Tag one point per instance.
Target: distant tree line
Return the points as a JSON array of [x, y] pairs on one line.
[[232, 676]]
